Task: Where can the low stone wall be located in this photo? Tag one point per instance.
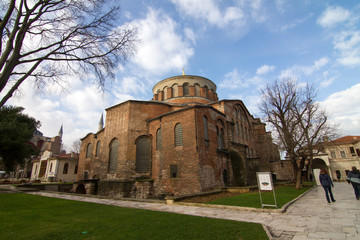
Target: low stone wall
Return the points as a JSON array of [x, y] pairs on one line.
[[128, 189], [115, 188], [49, 187]]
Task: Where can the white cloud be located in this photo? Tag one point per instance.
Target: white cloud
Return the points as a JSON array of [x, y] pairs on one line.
[[130, 85], [297, 70], [347, 43], [78, 110], [333, 15], [344, 108], [295, 23], [189, 33], [265, 69], [280, 6], [162, 49], [235, 80], [327, 82], [209, 11], [257, 10]]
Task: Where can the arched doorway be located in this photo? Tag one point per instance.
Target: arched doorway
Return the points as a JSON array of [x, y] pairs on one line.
[[317, 165]]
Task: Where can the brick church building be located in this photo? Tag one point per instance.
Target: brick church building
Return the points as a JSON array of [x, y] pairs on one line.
[[184, 141]]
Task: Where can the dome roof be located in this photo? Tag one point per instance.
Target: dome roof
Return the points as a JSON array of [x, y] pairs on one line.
[[185, 89]]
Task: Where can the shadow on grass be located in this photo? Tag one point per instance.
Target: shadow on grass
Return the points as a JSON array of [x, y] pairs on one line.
[[35, 217]]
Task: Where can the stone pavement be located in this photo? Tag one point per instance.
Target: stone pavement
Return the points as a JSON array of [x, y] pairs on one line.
[[310, 217]]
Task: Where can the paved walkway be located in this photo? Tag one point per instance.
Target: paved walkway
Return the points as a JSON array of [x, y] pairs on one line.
[[310, 217]]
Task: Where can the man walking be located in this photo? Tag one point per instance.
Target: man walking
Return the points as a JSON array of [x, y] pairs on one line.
[[353, 177]]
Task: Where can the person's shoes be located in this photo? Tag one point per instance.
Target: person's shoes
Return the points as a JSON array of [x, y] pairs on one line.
[[357, 198], [329, 202], [334, 201]]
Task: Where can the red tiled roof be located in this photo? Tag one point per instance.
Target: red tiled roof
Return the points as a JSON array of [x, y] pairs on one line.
[[347, 139]]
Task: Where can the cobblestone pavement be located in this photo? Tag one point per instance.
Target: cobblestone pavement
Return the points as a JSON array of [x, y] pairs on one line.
[[310, 217]]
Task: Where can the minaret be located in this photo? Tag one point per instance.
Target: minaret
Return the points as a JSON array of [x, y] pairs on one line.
[[60, 134], [101, 123]]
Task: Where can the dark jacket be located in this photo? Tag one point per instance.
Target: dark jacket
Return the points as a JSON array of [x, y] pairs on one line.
[[354, 177], [325, 179]]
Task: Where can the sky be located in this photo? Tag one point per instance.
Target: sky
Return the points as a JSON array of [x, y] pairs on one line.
[[241, 45]]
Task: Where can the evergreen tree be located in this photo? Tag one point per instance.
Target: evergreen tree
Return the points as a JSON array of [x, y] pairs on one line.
[[16, 131]]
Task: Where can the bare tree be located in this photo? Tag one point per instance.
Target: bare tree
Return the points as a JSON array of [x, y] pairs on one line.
[[298, 121], [76, 146], [45, 40], [314, 125]]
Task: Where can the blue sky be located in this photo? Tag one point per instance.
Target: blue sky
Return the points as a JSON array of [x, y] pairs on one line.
[[241, 45]]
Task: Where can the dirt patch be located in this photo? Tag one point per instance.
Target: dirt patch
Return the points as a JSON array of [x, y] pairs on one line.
[[210, 197]]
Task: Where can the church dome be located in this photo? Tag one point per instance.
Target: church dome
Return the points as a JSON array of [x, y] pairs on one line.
[[187, 89]]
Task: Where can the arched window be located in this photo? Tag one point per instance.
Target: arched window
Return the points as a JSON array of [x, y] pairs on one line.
[[235, 113], [222, 139], [76, 169], [175, 88], [197, 90], [97, 149], [86, 175], [88, 150], [186, 89], [218, 138], [158, 139], [233, 129], [165, 93], [242, 131], [237, 129], [66, 167], [206, 91], [143, 154], [206, 130], [113, 155], [239, 114], [178, 135]]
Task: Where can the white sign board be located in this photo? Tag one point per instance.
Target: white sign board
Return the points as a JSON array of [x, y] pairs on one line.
[[264, 181]]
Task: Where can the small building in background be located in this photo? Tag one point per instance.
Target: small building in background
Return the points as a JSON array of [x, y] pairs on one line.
[[52, 164], [338, 156]]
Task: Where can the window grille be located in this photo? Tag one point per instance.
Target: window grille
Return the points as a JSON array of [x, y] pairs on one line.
[[143, 154], [178, 135], [113, 155]]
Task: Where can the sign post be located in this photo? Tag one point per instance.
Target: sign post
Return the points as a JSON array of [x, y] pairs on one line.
[[265, 183]]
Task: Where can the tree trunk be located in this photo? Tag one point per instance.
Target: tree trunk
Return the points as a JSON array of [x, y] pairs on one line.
[[298, 178], [299, 173]]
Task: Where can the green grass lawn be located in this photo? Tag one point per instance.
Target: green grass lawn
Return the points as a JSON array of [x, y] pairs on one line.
[[283, 194], [25, 216]]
